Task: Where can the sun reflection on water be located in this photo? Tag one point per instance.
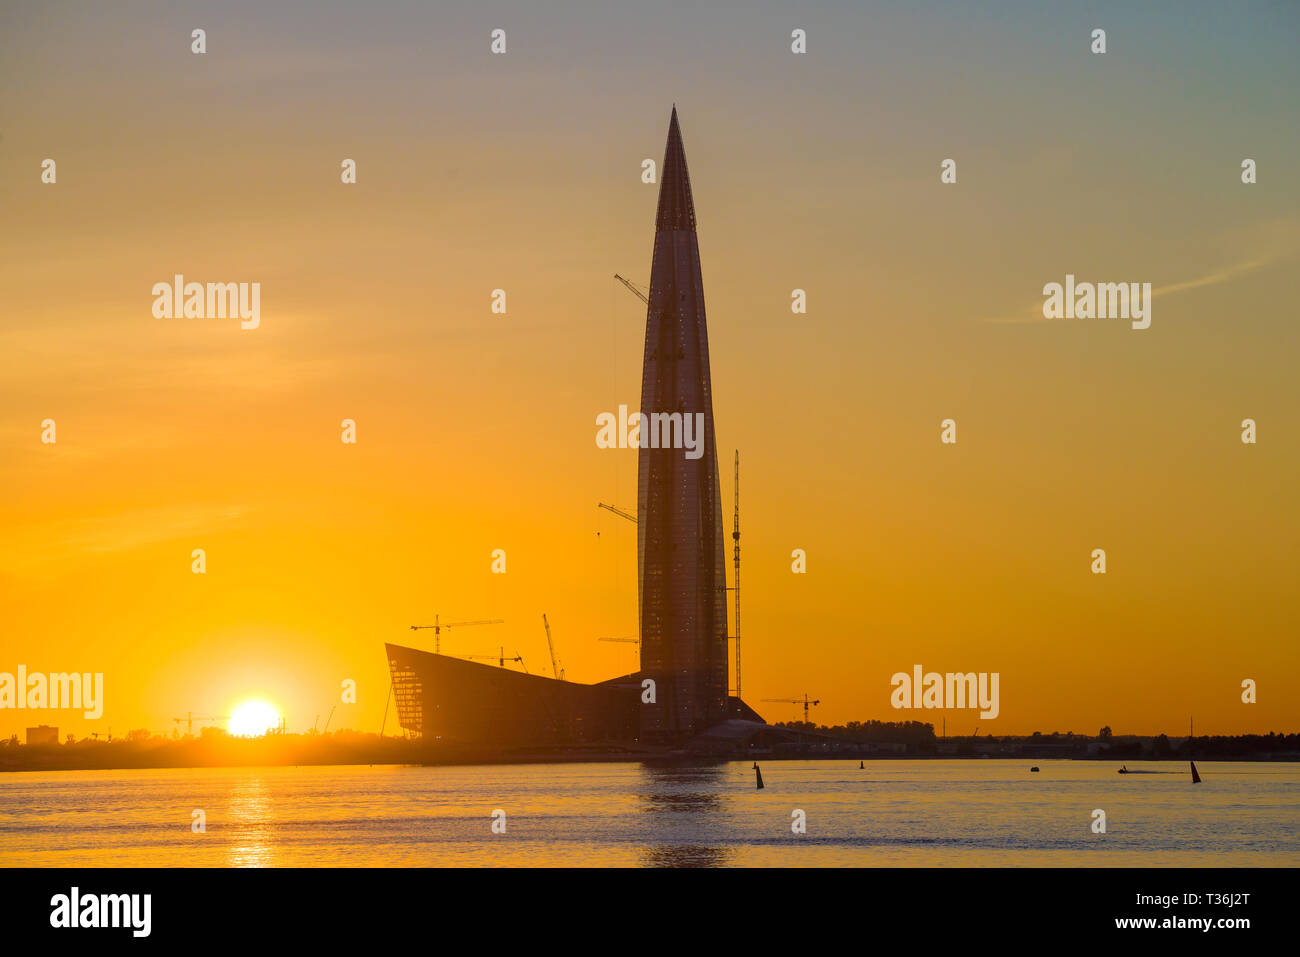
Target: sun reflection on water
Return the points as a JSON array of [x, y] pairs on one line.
[[252, 825]]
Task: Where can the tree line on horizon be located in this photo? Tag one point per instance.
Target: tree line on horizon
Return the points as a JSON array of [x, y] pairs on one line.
[[921, 736]]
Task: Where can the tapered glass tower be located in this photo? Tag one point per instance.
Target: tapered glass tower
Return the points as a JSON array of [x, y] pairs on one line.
[[679, 533]]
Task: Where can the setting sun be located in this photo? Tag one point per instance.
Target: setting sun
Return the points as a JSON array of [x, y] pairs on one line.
[[252, 719]]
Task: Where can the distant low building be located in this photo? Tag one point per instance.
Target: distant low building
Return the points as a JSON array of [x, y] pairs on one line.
[[42, 734]]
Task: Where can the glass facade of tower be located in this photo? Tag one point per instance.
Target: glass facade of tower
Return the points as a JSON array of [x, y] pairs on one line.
[[683, 600]]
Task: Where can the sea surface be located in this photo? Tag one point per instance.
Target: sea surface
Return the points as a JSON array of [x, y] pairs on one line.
[[913, 813]]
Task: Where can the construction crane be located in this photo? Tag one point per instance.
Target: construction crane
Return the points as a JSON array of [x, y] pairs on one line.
[[617, 511], [735, 537], [438, 626], [500, 659], [629, 640], [634, 290], [803, 701], [555, 665], [190, 716]]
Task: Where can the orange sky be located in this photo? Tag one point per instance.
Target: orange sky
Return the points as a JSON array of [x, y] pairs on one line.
[[476, 431]]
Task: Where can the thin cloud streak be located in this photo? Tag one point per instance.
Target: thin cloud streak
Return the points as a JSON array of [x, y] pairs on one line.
[[1034, 313]]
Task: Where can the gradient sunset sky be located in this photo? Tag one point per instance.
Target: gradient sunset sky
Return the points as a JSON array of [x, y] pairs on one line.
[[476, 431]]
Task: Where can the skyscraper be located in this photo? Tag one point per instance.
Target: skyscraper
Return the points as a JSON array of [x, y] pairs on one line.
[[682, 578], [682, 591]]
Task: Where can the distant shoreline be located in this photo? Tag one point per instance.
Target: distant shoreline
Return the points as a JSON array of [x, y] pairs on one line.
[[463, 759], [213, 748]]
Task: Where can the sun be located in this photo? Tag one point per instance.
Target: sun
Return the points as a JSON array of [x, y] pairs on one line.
[[252, 719]]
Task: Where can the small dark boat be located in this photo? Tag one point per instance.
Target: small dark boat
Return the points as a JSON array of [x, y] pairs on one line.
[[1196, 778], [1123, 770], [758, 775], [861, 766], [1034, 768]]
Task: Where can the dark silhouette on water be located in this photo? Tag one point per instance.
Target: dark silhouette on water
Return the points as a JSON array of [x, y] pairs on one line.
[[1123, 770], [1196, 778], [1034, 768], [862, 765], [758, 775]]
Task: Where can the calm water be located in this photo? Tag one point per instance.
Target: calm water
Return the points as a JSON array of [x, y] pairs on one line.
[[916, 813]]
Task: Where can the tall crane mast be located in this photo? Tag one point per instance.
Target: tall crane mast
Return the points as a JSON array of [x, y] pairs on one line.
[[438, 626], [735, 537], [803, 701], [555, 665]]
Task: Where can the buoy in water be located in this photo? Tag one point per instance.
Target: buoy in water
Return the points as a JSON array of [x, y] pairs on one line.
[[758, 777]]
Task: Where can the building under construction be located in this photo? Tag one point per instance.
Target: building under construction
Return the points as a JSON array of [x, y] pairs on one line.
[[680, 694]]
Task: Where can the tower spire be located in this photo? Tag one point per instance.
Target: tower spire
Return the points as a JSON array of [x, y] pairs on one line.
[[676, 207]]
